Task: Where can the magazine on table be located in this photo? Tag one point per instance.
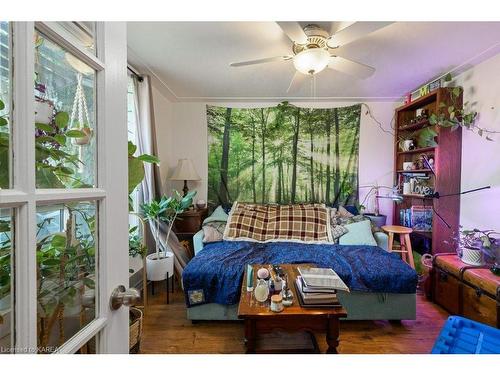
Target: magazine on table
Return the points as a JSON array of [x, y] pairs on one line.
[[321, 278]]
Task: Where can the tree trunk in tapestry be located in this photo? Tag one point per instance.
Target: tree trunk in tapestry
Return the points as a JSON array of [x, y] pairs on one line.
[[224, 163], [283, 154]]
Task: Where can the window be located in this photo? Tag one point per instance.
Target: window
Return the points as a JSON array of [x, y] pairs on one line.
[[66, 265], [5, 98], [132, 133], [6, 281], [64, 118]]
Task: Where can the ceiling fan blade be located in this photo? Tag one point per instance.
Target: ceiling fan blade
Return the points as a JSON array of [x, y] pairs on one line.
[[260, 61], [336, 26], [296, 82], [350, 67], [354, 31], [294, 31]]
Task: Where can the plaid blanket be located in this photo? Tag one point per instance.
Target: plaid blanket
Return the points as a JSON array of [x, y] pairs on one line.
[[307, 223]]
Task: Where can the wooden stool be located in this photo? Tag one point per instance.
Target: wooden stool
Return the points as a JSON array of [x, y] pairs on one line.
[[404, 240]]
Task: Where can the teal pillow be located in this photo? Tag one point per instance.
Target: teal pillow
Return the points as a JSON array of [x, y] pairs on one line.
[[360, 233], [218, 215]]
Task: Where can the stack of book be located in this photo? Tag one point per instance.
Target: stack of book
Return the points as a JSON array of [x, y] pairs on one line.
[[317, 287]]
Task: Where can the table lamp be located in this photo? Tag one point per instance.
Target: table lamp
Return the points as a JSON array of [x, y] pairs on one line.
[[185, 171]]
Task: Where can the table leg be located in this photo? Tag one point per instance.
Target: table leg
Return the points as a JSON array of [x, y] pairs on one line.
[[332, 335], [250, 335]]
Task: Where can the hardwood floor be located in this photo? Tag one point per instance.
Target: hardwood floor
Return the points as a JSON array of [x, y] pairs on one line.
[[166, 330]]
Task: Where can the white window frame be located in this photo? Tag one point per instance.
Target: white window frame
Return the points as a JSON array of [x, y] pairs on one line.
[[110, 328]]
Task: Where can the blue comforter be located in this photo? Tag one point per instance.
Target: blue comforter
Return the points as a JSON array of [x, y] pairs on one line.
[[216, 273]]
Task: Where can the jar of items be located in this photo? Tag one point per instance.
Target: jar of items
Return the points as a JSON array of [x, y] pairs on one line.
[[261, 291], [277, 303]]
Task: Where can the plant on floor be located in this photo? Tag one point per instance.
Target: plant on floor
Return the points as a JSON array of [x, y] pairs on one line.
[[455, 115], [166, 210]]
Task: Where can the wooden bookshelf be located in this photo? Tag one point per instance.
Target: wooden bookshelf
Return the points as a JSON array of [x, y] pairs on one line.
[[447, 166]]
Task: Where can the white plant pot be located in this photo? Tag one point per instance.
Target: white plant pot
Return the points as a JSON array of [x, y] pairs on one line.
[[44, 110], [474, 257], [157, 269]]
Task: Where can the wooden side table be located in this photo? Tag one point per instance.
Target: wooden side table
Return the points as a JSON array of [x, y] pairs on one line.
[[188, 223], [259, 319], [404, 240]]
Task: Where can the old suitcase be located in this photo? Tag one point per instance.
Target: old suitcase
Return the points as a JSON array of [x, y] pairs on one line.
[[470, 291]]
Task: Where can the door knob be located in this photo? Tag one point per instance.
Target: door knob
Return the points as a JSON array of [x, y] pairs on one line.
[[123, 296]]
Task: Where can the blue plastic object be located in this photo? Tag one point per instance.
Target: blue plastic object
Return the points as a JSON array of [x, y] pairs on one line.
[[464, 336]]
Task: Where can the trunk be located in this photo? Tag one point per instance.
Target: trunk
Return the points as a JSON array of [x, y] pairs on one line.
[[283, 193], [263, 137], [321, 187], [254, 193], [336, 187], [237, 176], [311, 163], [294, 155], [328, 136], [278, 186], [287, 183], [224, 164]]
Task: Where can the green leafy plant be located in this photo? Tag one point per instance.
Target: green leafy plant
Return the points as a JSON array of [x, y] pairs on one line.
[[135, 246], [454, 115], [5, 258], [4, 148], [166, 210], [136, 168]]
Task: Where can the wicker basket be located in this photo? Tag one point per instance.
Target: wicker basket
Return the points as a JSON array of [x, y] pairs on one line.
[[135, 330]]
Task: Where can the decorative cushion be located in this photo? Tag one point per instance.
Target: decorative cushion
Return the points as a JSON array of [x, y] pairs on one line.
[[214, 231], [308, 223], [338, 231], [359, 233], [218, 215]]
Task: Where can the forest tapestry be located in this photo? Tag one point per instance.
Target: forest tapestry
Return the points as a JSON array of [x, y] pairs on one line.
[[283, 154]]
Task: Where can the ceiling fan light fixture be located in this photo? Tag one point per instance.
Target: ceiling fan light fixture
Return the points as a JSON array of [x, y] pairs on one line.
[[311, 61]]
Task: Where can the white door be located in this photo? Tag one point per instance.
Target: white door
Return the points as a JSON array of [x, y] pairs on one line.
[[63, 180]]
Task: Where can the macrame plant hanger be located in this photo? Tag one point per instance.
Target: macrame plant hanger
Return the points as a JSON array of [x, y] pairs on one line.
[[80, 113]]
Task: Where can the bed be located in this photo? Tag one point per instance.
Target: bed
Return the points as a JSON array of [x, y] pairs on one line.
[[382, 285]]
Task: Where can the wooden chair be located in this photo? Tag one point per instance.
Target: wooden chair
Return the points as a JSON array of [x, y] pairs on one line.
[[404, 240]]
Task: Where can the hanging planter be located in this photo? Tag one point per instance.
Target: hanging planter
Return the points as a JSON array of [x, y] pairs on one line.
[[80, 113], [84, 140]]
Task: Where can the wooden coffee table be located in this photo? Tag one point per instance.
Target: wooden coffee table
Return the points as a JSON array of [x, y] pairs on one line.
[[259, 319]]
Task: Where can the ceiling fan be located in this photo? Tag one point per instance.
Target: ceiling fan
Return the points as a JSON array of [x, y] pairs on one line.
[[315, 49]]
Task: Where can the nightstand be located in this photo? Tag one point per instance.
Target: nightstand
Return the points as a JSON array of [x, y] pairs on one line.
[[187, 224]]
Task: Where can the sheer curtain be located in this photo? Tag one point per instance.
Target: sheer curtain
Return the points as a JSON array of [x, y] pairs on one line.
[[151, 185]]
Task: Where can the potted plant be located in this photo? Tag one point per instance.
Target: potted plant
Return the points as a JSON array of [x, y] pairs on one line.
[[491, 248], [84, 135], [164, 210], [474, 243]]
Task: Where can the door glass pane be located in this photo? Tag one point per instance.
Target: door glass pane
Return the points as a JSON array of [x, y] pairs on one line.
[[81, 33], [66, 270], [5, 91], [6, 281], [64, 118]]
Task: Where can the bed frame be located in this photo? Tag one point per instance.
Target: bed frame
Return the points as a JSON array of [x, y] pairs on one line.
[[359, 306]]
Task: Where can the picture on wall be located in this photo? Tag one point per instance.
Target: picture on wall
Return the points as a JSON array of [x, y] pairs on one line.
[[283, 154]]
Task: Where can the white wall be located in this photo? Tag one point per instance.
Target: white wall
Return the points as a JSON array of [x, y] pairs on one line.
[[481, 158], [182, 133], [187, 138]]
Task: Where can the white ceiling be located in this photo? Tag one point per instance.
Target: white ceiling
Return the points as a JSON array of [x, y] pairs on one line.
[[192, 59]]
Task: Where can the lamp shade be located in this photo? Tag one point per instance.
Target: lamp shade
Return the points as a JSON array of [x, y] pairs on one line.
[[311, 61], [185, 171]]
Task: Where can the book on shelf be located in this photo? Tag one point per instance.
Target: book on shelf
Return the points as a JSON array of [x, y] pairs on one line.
[[419, 218], [321, 278]]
